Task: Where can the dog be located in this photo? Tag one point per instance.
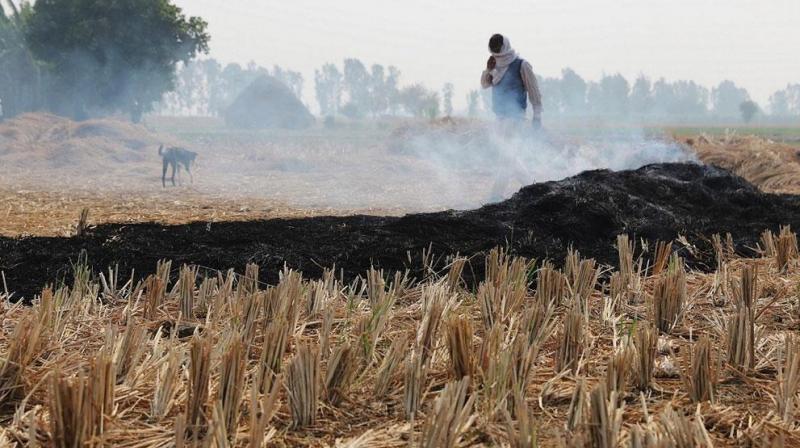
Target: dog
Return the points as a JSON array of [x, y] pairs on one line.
[[176, 157]]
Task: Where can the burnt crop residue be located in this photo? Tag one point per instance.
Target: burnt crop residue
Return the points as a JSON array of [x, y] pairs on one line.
[[587, 211]]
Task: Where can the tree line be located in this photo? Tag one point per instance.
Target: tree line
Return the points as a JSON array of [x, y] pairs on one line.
[[82, 58], [355, 90], [614, 96]]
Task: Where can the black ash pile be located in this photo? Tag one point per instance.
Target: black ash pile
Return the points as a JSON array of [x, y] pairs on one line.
[[655, 203]]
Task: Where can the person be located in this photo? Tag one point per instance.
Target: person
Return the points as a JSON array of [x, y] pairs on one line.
[[512, 82]]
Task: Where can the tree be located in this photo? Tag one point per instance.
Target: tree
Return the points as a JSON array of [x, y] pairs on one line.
[[573, 92], [473, 104], [779, 104], [379, 96], [610, 96], [112, 55], [328, 88], [552, 99], [726, 98], [679, 100], [356, 83], [447, 95], [641, 98], [20, 74], [786, 102], [748, 109], [291, 79], [419, 101], [393, 89]]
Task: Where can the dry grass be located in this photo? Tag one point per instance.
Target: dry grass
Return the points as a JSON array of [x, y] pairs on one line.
[[669, 296], [773, 167], [431, 373], [303, 386]]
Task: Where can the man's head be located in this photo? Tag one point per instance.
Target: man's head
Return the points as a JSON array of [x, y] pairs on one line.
[[496, 43]]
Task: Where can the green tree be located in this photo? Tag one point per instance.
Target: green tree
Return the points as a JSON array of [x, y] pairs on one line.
[[748, 109], [112, 55], [20, 74]]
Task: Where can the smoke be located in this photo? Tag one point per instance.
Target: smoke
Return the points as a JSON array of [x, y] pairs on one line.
[[489, 162]]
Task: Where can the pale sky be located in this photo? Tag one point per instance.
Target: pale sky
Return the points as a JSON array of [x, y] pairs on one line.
[[754, 43]]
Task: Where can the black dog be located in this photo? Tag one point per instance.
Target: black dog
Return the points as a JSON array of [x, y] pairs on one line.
[[176, 157]]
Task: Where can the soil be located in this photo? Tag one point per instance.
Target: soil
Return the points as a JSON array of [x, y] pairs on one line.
[[587, 211]]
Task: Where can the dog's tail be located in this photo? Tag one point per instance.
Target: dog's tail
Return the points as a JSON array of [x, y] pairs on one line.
[[160, 149]]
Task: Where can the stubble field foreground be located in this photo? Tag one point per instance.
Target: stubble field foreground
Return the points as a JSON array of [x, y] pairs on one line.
[[667, 337]]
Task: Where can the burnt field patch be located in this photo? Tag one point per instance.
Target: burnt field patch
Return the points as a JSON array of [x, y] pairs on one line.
[[654, 203]]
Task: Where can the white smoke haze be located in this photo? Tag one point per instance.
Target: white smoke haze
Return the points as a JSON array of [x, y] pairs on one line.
[[390, 167], [505, 157]]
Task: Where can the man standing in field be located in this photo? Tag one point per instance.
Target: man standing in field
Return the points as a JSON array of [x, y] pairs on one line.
[[513, 84], [512, 81]]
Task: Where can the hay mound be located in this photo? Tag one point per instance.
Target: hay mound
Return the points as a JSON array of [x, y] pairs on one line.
[[773, 167], [41, 140], [268, 103]]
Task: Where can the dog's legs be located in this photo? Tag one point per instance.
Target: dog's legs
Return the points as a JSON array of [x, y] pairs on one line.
[[191, 178], [164, 165], [173, 173]]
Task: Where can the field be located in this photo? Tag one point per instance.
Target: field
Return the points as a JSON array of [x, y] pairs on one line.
[[669, 336]]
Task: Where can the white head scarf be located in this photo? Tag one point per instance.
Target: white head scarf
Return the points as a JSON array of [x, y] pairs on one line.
[[504, 58]]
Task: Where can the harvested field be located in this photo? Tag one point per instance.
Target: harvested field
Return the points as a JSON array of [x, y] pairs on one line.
[[771, 166], [532, 354], [666, 334]]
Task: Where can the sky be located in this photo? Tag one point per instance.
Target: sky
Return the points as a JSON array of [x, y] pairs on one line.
[[754, 43]]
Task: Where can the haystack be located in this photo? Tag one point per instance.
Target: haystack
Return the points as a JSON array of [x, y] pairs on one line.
[[268, 103], [40, 140]]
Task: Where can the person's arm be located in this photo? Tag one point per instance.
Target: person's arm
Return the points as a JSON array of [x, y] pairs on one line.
[[534, 94], [486, 79], [486, 76]]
